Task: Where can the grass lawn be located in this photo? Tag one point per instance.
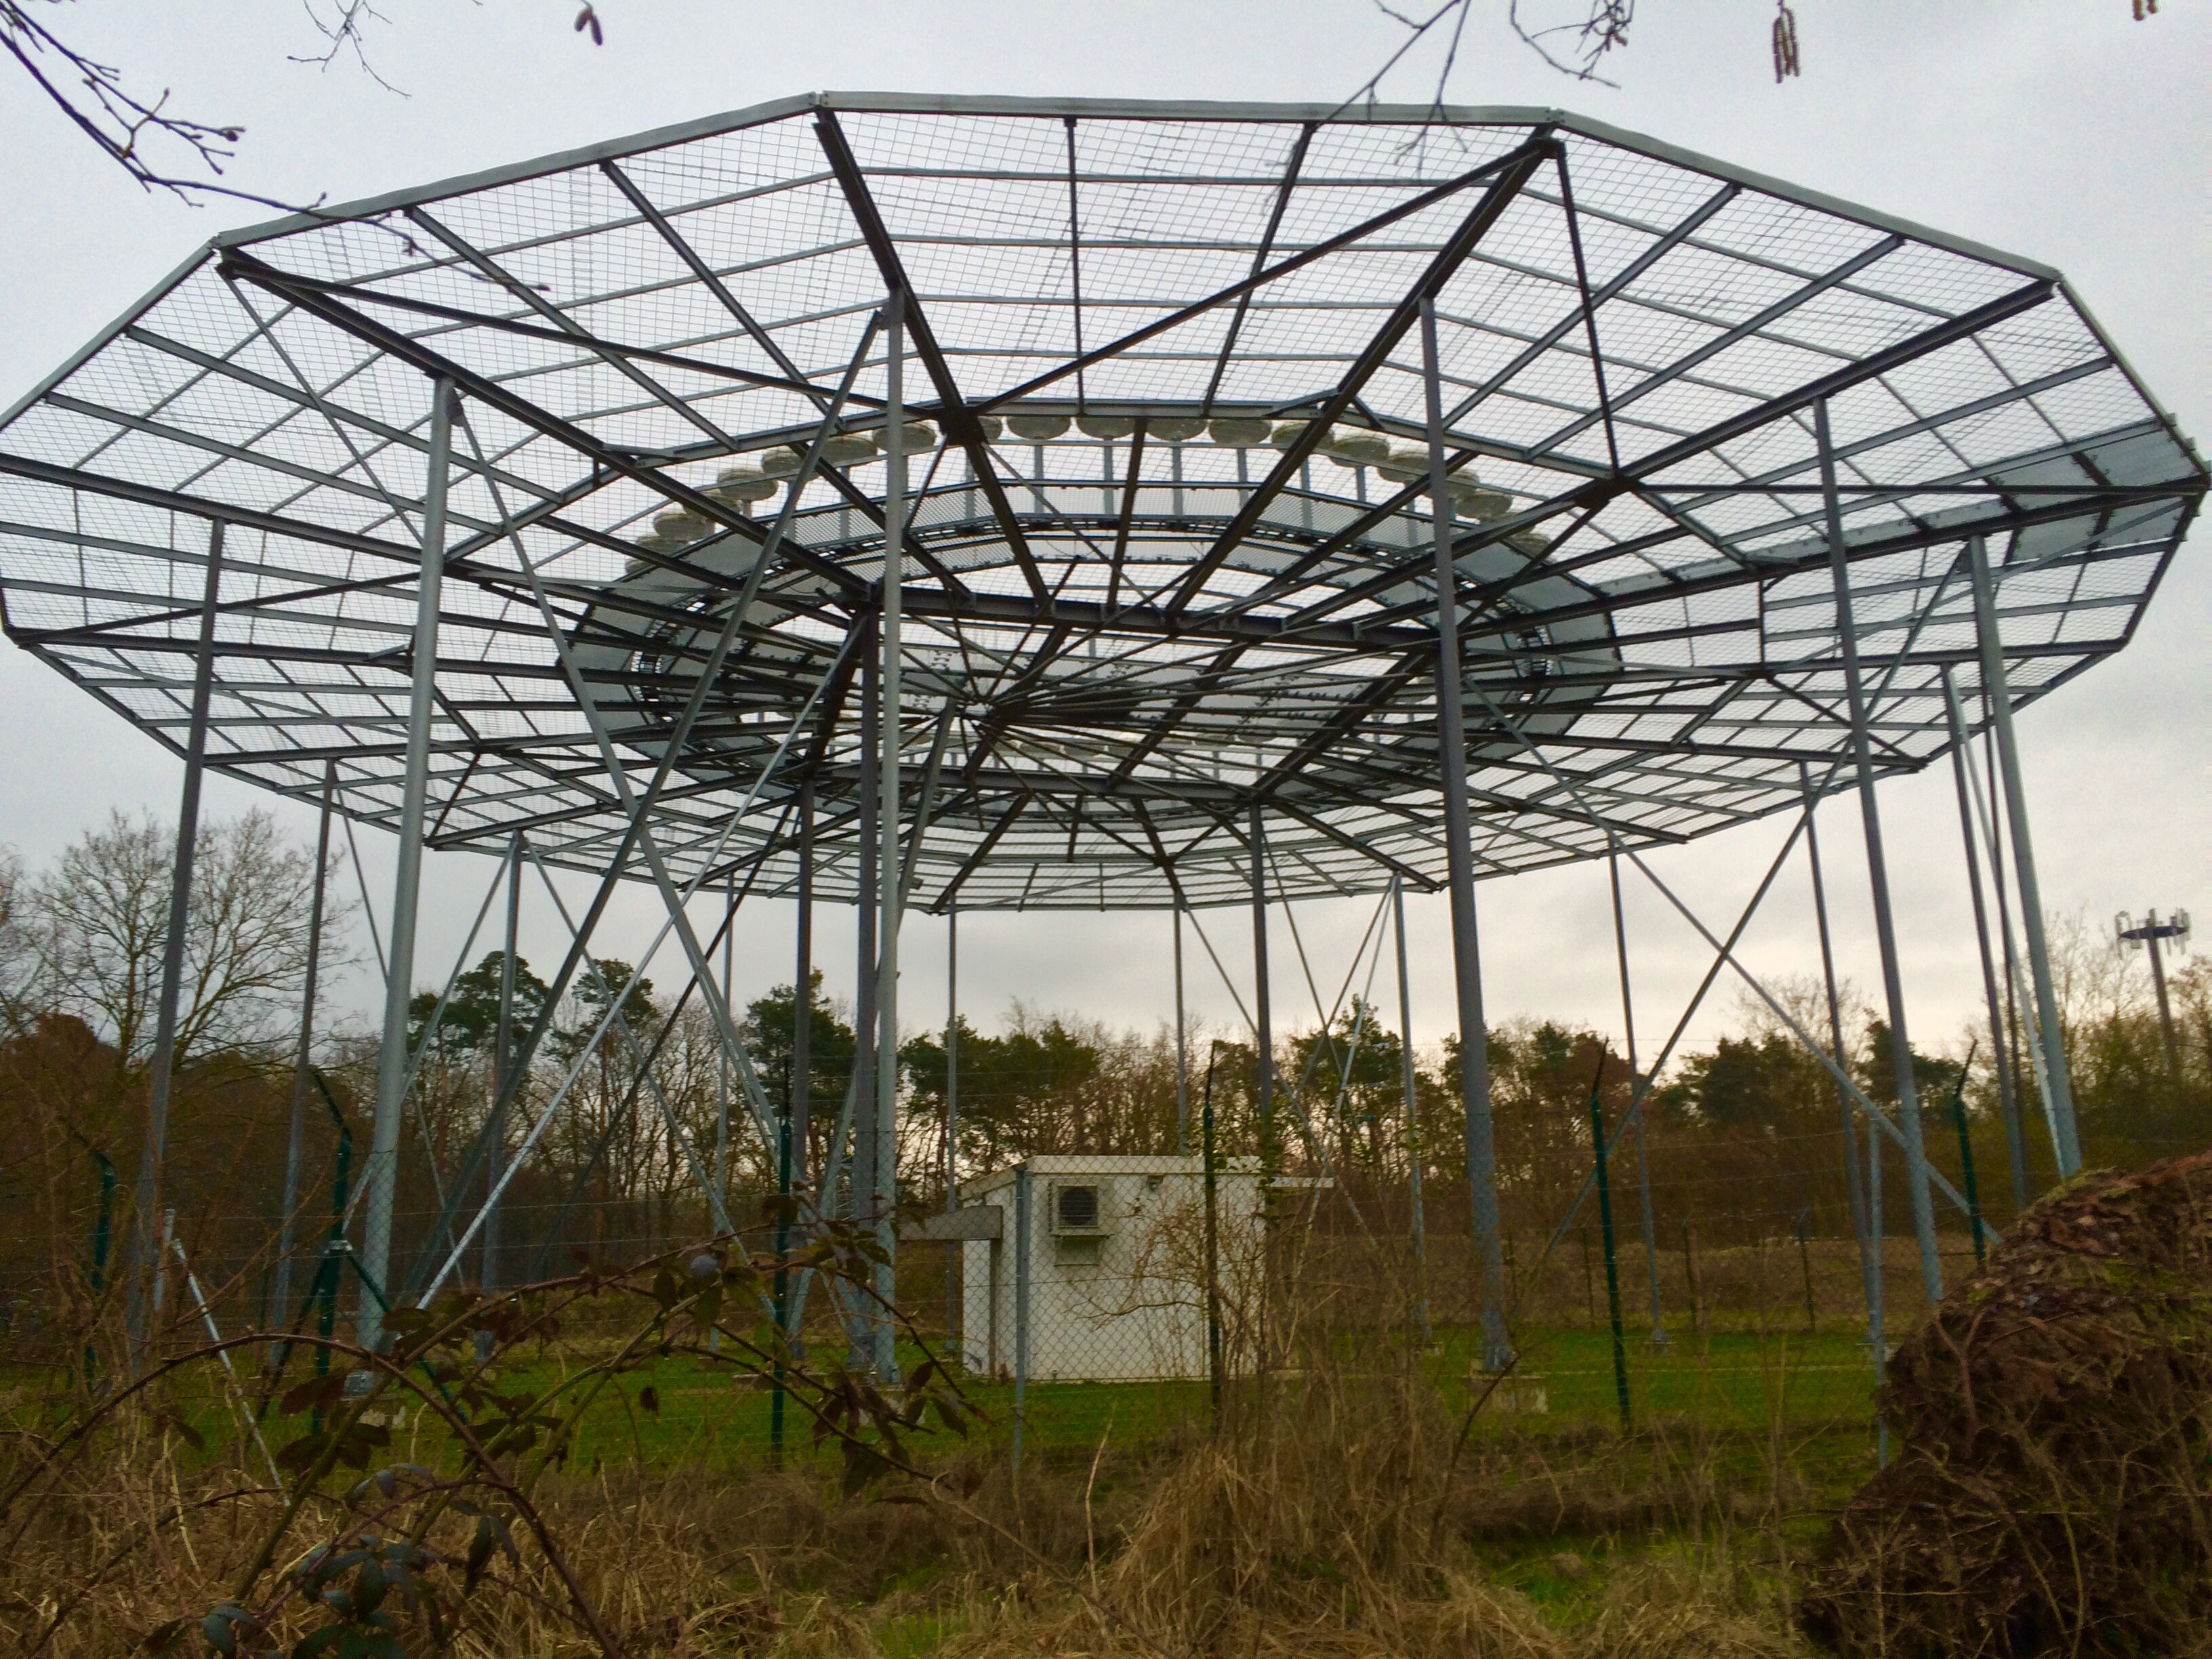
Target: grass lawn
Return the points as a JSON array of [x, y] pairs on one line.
[[1734, 1384]]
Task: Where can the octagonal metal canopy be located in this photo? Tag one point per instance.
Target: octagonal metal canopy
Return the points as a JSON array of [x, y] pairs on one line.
[[1171, 545]]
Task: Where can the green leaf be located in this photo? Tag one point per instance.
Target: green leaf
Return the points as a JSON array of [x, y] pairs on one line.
[[369, 1585], [479, 1557], [707, 1307], [316, 1394], [321, 1641], [170, 1423], [162, 1637], [301, 1453], [862, 1465]]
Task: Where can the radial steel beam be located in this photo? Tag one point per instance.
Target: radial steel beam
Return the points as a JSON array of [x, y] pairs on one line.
[[1291, 170], [380, 1175], [1594, 493], [1842, 272], [1892, 981], [520, 410], [960, 425], [1607, 404], [1659, 249], [1459, 857], [1447, 259], [1416, 203]]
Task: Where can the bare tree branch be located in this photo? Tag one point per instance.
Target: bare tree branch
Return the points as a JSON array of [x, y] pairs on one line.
[[140, 133], [118, 120], [1603, 29], [342, 35]]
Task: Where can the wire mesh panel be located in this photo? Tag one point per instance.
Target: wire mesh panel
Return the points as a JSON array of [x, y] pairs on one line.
[[1171, 535]]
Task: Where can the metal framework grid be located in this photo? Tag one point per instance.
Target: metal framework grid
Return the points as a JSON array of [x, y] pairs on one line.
[[1115, 644]]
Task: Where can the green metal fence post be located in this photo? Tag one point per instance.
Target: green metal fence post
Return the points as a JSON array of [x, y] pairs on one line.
[[103, 1236], [1877, 1338], [1213, 1245], [782, 1279], [1605, 1232], [1805, 1266], [327, 1273], [1022, 1246]]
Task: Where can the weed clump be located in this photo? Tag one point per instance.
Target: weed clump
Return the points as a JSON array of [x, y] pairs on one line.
[[2051, 1493]]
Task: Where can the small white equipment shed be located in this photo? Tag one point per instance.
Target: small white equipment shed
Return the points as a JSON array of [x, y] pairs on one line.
[[1107, 1254]]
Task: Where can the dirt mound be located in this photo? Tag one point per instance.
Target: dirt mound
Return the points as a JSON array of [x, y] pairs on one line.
[[2051, 1493]]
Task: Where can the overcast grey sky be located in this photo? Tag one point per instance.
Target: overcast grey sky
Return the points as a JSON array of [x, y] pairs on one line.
[[2056, 129]]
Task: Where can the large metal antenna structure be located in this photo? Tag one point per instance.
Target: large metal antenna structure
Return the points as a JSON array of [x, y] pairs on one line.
[[555, 503]]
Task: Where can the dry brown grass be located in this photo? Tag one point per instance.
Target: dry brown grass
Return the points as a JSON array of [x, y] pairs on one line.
[[1338, 1508], [1317, 1525]]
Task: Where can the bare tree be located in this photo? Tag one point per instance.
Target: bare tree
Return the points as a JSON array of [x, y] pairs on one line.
[[17, 955], [96, 922]]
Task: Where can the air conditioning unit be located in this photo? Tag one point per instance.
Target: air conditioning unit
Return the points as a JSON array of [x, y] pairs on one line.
[[1078, 1210]]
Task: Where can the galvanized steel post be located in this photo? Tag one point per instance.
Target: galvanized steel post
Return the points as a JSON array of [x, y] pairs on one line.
[[145, 1242], [1459, 856], [380, 1175], [1998, 695], [1892, 981]]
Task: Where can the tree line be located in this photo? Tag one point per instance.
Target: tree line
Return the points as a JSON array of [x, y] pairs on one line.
[[1743, 1138]]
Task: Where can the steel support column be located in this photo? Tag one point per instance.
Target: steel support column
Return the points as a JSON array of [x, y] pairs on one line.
[[861, 1089], [1854, 1181], [800, 1090], [303, 1062], [1263, 1026], [502, 1058], [1459, 853], [952, 1256], [381, 1177], [1182, 1047], [889, 866], [146, 1245], [2067, 1141], [1413, 1153], [2000, 1051], [1893, 980], [1642, 1157], [722, 1071]]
